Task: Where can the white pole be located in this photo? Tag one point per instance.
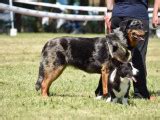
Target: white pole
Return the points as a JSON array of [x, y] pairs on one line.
[[51, 15], [13, 31], [11, 15]]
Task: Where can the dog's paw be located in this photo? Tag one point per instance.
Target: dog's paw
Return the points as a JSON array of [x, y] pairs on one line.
[[125, 101], [108, 99], [99, 97]]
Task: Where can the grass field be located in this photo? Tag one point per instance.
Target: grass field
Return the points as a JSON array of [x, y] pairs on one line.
[[72, 94]]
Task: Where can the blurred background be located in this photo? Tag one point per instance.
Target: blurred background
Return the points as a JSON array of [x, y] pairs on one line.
[[25, 23]]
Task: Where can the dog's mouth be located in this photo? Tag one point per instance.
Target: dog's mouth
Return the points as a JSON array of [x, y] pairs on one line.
[[138, 35], [132, 79]]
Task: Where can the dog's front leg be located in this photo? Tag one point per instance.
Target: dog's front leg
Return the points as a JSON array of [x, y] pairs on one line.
[[105, 75], [125, 101], [115, 100]]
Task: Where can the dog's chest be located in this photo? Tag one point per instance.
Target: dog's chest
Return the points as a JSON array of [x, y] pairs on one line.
[[123, 88]]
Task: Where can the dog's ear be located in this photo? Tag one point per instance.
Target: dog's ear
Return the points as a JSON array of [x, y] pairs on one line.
[[118, 51], [121, 35], [112, 48], [124, 24]]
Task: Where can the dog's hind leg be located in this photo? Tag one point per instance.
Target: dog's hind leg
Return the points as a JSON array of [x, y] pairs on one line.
[[49, 77]]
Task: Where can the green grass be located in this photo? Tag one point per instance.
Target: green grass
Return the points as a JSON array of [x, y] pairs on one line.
[[72, 94]]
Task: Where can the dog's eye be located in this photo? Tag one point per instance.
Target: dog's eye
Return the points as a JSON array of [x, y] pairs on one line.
[[134, 23], [115, 48]]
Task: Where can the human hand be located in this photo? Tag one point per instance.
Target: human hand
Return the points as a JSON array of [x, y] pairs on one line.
[[155, 21], [108, 22]]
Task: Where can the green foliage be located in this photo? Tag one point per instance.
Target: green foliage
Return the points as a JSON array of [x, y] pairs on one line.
[[72, 95], [151, 2]]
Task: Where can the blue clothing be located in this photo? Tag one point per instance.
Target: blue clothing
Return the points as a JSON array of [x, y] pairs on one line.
[[63, 2], [131, 8]]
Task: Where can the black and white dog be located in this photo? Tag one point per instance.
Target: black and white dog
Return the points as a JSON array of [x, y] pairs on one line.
[[119, 82]]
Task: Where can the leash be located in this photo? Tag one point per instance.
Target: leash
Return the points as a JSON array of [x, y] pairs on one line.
[[109, 50]]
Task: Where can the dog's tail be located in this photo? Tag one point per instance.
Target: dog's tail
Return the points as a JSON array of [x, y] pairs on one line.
[[38, 85], [40, 77]]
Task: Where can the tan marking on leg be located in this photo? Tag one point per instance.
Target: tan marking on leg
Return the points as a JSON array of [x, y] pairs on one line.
[[49, 78], [105, 74]]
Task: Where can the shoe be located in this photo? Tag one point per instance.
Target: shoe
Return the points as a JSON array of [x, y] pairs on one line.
[[152, 98], [138, 95]]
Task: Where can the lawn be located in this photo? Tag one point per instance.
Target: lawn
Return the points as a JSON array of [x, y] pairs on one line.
[[72, 95]]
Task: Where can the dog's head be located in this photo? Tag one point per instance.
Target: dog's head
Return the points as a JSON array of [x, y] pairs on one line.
[[118, 51], [127, 70], [127, 36], [133, 30], [124, 71]]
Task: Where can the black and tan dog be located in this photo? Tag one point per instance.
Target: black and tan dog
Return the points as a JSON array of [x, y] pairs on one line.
[[89, 54]]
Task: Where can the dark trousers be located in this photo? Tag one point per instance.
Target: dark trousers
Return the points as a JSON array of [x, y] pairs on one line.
[[138, 59]]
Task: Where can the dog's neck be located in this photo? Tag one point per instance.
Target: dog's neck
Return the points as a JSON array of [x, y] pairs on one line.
[[121, 36]]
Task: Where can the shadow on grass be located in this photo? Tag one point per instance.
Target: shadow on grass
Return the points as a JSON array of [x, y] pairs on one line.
[[155, 93], [152, 93], [70, 95], [3, 83]]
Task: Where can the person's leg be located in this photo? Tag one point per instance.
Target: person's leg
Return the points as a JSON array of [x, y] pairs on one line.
[[139, 62]]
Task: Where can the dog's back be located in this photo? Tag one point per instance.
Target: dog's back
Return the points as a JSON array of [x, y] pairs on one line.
[[84, 53]]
